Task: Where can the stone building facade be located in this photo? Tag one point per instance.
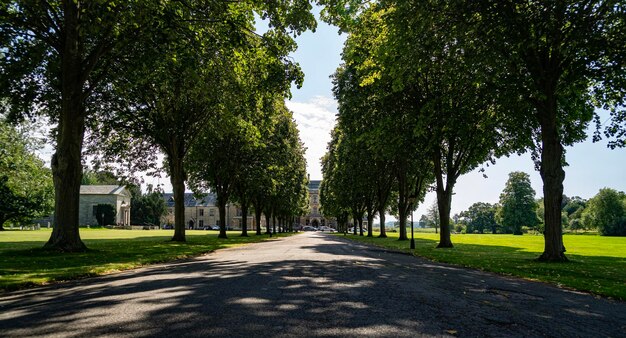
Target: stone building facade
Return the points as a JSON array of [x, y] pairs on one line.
[[92, 195], [315, 217], [202, 212]]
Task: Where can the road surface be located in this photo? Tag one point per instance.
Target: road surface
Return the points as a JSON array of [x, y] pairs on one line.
[[311, 284]]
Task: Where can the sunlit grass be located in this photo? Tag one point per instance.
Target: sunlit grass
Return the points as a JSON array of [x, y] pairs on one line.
[[23, 262], [597, 264]]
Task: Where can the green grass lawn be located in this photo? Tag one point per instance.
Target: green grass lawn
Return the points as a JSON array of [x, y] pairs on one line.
[[597, 264], [24, 263]]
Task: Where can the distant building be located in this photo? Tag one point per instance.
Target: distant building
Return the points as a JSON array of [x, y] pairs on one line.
[[201, 212], [92, 195], [315, 217]]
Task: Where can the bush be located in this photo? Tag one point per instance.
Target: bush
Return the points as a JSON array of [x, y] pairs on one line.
[[607, 212], [459, 228], [108, 212]]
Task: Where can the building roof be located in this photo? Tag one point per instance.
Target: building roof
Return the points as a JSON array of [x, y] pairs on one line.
[[314, 185], [209, 200], [102, 190]]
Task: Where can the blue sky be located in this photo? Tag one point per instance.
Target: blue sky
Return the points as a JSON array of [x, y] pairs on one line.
[[591, 165]]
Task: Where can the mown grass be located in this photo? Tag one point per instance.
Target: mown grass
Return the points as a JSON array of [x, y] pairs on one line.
[[597, 264], [24, 263]]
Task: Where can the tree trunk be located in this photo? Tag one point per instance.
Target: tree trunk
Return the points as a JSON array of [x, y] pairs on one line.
[[177, 178], [383, 231], [360, 220], [402, 203], [222, 208], [355, 223], [552, 175], [244, 219], [444, 200], [370, 223], [257, 219], [66, 163], [274, 223], [268, 218], [402, 214]]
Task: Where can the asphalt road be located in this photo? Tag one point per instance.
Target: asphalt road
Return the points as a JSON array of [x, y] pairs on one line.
[[307, 285]]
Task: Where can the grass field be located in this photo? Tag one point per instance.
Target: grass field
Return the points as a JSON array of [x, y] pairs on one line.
[[24, 263], [597, 264]]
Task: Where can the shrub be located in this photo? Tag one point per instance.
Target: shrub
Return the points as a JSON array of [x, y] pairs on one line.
[[108, 212]]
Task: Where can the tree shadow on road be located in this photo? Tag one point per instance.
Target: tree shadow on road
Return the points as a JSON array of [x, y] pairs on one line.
[[341, 291]]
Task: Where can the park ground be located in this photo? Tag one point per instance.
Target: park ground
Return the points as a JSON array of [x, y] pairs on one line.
[[597, 264], [24, 263], [312, 284]]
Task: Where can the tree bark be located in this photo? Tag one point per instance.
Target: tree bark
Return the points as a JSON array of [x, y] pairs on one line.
[[402, 201], [66, 162], [360, 220], [177, 178], [444, 200], [274, 223], [268, 218], [222, 209], [370, 225], [552, 175], [383, 231], [244, 219], [257, 219]]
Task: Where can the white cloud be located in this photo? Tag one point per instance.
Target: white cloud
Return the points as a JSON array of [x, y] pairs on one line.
[[315, 119]]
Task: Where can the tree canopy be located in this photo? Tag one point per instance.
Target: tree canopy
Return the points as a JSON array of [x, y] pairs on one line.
[[152, 60], [606, 211], [26, 190], [517, 204]]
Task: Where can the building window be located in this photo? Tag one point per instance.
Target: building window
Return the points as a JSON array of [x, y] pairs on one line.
[[201, 223], [211, 212], [201, 212]]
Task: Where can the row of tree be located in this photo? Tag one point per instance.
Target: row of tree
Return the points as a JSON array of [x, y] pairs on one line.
[[191, 79], [430, 90], [605, 213]]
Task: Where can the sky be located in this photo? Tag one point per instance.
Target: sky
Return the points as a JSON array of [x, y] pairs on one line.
[[592, 166]]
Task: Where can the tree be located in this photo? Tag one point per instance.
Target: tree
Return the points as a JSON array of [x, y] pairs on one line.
[[54, 62], [58, 61], [562, 59], [147, 208], [606, 211], [433, 216], [573, 205], [26, 189], [517, 204], [480, 217], [103, 177], [105, 214]]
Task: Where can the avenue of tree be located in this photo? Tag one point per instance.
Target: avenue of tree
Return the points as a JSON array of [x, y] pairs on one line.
[[126, 80], [430, 90]]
